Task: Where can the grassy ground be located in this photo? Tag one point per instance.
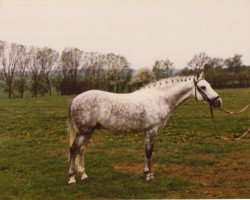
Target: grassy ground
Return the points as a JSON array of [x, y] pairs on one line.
[[188, 161]]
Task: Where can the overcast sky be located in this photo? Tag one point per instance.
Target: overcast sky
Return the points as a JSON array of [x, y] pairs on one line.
[[140, 30]]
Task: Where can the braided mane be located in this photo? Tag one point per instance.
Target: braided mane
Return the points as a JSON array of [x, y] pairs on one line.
[[168, 81]]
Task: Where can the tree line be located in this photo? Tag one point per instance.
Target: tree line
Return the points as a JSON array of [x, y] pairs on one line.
[[220, 73], [40, 71]]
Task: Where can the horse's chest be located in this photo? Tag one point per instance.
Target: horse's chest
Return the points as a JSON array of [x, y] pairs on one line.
[[157, 115]]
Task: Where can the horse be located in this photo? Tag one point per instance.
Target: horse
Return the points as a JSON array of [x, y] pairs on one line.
[[145, 110]]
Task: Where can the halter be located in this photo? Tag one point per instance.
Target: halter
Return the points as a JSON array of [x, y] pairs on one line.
[[203, 94], [210, 101]]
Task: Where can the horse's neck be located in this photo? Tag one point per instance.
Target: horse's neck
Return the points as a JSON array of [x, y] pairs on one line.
[[177, 93], [174, 91]]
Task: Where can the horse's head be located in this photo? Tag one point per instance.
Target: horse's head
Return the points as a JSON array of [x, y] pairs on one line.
[[203, 91]]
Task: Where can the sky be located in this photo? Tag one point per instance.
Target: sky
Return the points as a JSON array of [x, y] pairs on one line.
[[140, 30]]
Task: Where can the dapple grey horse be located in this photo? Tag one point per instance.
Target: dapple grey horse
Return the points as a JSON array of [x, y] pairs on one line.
[[147, 110]]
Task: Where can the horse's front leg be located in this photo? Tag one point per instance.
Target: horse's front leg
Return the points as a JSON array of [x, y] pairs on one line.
[[149, 145]]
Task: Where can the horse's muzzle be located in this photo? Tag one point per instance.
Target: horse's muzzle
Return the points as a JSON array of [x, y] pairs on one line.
[[217, 103]]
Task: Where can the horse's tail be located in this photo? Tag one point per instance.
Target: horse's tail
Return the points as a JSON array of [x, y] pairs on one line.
[[71, 128]]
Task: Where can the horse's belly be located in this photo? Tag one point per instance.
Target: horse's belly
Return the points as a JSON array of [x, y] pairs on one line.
[[123, 121], [125, 126]]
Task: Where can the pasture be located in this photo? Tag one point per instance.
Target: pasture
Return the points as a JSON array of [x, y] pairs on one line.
[[188, 161]]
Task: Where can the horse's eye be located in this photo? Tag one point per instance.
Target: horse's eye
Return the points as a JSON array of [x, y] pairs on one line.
[[203, 87]]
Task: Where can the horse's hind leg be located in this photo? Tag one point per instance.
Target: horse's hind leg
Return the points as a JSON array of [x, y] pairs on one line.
[[74, 149], [80, 157]]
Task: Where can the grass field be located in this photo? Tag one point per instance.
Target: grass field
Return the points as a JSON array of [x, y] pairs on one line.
[[188, 161]]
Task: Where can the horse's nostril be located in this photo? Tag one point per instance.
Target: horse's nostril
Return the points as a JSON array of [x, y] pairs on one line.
[[218, 103]]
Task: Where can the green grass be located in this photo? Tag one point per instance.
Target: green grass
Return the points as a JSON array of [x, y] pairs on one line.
[[34, 143]]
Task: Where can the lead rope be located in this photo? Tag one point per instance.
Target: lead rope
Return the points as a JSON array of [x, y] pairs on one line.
[[233, 112], [212, 115], [210, 101], [229, 112]]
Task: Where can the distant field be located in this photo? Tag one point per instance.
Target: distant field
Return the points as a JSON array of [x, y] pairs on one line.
[[188, 161]]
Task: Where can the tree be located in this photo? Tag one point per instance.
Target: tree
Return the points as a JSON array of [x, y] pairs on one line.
[[217, 77], [244, 77], [106, 71], [2, 45], [68, 71], [144, 76], [126, 74], [213, 63], [93, 70], [198, 62], [117, 73], [10, 60], [234, 64], [186, 71], [46, 59], [163, 69], [35, 71], [22, 70]]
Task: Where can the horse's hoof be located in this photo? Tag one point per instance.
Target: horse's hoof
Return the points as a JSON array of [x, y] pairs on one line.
[[84, 176], [149, 176], [72, 180]]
